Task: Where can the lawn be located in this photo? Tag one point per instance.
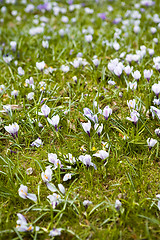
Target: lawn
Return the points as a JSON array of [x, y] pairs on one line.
[[79, 119]]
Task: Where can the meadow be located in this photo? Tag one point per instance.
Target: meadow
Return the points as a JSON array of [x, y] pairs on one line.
[[79, 119]]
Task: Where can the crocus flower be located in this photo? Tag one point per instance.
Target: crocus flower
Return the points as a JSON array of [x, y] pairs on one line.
[[66, 177], [155, 112], [131, 103], [23, 193], [136, 75], [12, 129], [118, 204], [148, 74], [13, 45], [54, 121], [53, 159], [61, 188], [107, 111], [98, 128], [151, 142], [128, 70], [22, 225], [40, 65], [133, 85], [37, 143], [86, 160], [14, 93], [55, 199], [157, 132], [55, 232], [87, 127], [101, 154], [134, 117], [30, 96], [21, 71], [86, 203], [156, 88], [45, 110]]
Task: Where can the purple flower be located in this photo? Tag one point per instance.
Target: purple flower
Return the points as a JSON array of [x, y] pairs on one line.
[[102, 16]]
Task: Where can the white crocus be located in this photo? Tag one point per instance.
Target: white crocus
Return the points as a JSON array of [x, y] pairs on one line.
[[87, 127], [45, 110], [54, 121], [151, 142], [12, 129], [23, 193]]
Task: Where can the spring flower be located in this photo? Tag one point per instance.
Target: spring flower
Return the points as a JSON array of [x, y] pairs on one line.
[[86, 203], [23, 193], [107, 111], [70, 159], [54, 121], [128, 70], [87, 127], [40, 65], [156, 88], [133, 86], [134, 117], [147, 74], [157, 132], [37, 143], [88, 38], [55, 199], [151, 142], [45, 110], [96, 62], [86, 160], [30, 96], [14, 93], [98, 128], [54, 160], [131, 103], [2, 88], [21, 71], [66, 177], [61, 188], [13, 45], [55, 232], [64, 68], [112, 64], [118, 205], [118, 69], [12, 129], [101, 154], [45, 44], [155, 112], [22, 225], [47, 175], [136, 75]]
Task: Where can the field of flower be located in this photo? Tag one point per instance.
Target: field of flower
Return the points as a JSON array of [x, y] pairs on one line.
[[79, 119]]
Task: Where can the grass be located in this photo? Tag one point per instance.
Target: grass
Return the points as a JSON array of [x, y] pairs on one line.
[[131, 172]]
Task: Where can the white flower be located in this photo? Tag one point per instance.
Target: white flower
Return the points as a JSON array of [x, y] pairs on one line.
[[67, 176], [151, 142], [101, 154], [40, 65], [37, 143], [147, 74], [13, 45], [14, 93], [107, 111], [23, 193], [45, 110], [87, 127], [52, 158], [21, 71], [136, 75], [128, 70], [64, 68], [86, 203], [118, 204], [45, 44], [131, 103], [30, 96], [88, 38], [54, 121], [61, 188], [47, 175], [133, 85], [98, 128], [2, 88], [134, 117], [86, 160], [157, 132], [156, 88], [55, 232], [12, 129]]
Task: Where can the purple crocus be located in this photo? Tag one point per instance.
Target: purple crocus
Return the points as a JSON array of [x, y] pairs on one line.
[[102, 16]]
